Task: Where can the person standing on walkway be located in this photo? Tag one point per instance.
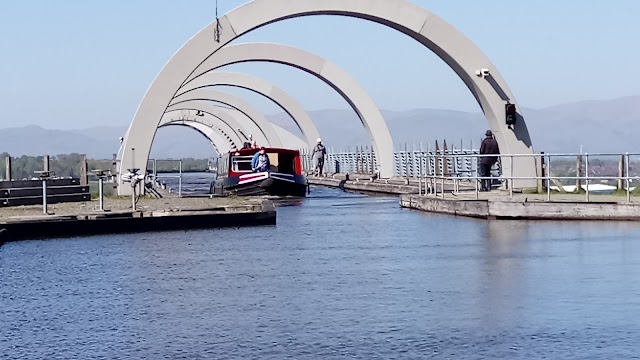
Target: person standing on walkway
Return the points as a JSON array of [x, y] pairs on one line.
[[318, 154], [489, 146]]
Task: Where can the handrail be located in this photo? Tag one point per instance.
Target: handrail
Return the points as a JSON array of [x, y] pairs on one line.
[[460, 165], [508, 179]]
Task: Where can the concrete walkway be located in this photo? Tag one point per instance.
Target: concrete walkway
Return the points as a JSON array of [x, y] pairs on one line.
[[74, 219], [497, 205]]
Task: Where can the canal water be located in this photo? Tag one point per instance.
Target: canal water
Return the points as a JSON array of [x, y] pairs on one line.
[[340, 276]]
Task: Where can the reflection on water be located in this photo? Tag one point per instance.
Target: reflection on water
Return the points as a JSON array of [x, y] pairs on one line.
[[340, 276]]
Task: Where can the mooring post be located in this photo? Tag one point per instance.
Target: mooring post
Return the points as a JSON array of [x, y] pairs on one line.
[[100, 194], [44, 176], [44, 196], [7, 165], [101, 175], [84, 178]]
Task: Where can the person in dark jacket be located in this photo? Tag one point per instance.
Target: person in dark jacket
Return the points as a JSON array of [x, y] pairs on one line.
[[260, 161], [318, 154], [489, 146]]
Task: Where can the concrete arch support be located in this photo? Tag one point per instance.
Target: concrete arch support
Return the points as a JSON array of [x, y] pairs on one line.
[[456, 50], [331, 74], [280, 97]]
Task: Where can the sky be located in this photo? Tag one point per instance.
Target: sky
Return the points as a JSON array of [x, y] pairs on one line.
[[75, 63]]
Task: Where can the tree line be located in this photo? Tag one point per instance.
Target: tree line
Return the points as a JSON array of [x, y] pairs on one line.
[[68, 165]]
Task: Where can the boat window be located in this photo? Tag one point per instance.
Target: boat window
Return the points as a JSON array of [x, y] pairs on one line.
[[241, 163]]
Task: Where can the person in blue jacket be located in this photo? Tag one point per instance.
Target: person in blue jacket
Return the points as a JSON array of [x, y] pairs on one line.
[[260, 161]]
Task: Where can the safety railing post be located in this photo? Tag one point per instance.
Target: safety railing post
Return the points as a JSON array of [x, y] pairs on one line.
[[475, 177], [510, 181], [626, 176], [586, 170], [548, 176], [180, 180]]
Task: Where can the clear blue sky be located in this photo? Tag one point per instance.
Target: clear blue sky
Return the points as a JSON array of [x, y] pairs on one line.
[[78, 63]]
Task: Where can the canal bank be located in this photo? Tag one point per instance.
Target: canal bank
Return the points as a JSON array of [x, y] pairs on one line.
[[362, 183], [77, 219], [497, 204]]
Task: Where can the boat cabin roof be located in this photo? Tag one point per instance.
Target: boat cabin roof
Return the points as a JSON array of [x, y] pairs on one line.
[[252, 151]]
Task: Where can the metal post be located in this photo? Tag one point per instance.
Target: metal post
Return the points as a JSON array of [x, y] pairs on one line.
[[621, 167], [510, 182], [357, 157], [548, 177], [626, 175], [420, 169], [100, 193], [7, 165], [46, 163], [586, 170], [133, 187], [133, 197], [373, 170], [579, 172], [44, 196], [84, 168], [180, 180], [455, 173], [477, 187]]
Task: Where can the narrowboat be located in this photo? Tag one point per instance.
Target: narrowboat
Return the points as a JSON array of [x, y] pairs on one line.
[[284, 177]]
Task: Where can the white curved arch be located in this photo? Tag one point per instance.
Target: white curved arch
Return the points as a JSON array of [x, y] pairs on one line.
[[366, 109], [287, 103], [220, 141], [217, 140], [237, 118], [223, 122], [227, 122], [261, 129], [455, 49], [227, 119]]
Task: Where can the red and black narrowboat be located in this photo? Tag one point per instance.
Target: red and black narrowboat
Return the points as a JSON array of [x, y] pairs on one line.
[[284, 178]]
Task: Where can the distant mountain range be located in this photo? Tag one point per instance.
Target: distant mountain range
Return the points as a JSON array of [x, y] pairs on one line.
[[597, 126]]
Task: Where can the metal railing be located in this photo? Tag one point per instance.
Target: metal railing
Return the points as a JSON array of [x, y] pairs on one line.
[[460, 169], [408, 163], [434, 179], [154, 177]]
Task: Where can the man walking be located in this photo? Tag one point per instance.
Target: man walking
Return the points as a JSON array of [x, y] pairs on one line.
[[489, 146], [319, 151]]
